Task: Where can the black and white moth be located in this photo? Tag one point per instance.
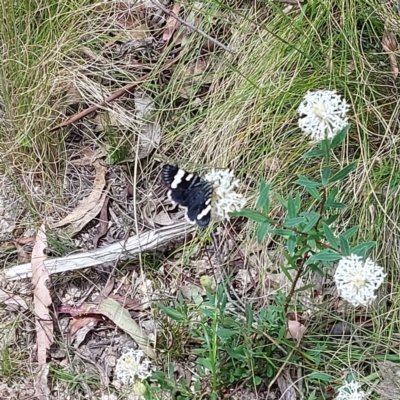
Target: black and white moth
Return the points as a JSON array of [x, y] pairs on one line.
[[191, 192]]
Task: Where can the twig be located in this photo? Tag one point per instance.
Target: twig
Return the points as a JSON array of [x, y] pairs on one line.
[[173, 15], [108, 99], [300, 270], [122, 250]]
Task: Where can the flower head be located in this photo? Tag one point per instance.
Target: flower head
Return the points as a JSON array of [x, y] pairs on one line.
[[357, 280], [225, 199], [130, 368], [350, 391], [322, 114]]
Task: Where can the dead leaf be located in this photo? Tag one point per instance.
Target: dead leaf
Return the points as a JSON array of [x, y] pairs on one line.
[[296, 330], [81, 325], [389, 43], [13, 302], [41, 296], [150, 131], [88, 157], [127, 302], [111, 309], [149, 138], [42, 391], [78, 323], [103, 219], [76, 227], [121, 317], [389, 387], [90, 202], [25, 240], [172, 24], [193, 76], [23, 256]]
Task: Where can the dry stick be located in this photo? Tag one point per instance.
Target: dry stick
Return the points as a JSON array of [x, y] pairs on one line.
[[122, 250], [108, 99], [173, 15]]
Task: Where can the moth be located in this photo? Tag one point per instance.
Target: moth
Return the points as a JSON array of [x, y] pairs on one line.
[[190, 192]]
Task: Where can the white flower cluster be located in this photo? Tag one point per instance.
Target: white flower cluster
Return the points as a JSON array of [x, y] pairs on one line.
[[130, 367], [350, 391], [225, 198], [357, 280], [322, 114]]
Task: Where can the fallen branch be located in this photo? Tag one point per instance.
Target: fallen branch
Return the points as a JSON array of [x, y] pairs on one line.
[[95, 107], [117, 251]]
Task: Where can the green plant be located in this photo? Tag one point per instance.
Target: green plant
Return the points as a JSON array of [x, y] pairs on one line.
[[310, 223], [230, 348]]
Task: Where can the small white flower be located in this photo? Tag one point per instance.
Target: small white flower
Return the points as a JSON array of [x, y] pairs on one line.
[[357, 280], [225, 199], [130, 367], [322, 114], [350, 391]]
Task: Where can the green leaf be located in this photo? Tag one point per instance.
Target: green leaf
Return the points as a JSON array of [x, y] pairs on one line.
[[281, 200], [172, 313], [320, 376], [324, 255], [291, 207], [237, 353], [333, 204], [314, 193], [343, 173], [330, 236], [251, 214], [338, 139], [313, 153], [286, 270], [205, 363], [350, 232], [262, 231], [281, 232], [297, 202], [307, 183], [291, 244], [263, 199], [326, 148], [257, 380], [344, 245], [332, 194], [305, 287], [325, 175], [312, 220], [224, 333], [294, 222], [362, 248]]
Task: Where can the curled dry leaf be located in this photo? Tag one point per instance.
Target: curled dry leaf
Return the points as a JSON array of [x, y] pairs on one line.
[[172, 24], [42, 298], [90, 205], [296, 330]]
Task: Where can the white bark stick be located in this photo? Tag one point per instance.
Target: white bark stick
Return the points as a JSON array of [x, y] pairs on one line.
[[117, 251]]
